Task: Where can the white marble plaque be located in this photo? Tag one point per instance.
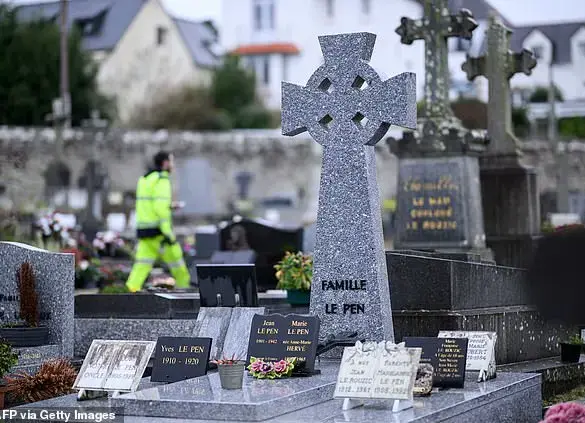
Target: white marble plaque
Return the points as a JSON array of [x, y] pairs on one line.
[[481, 350], [378, 371], [114, 365]]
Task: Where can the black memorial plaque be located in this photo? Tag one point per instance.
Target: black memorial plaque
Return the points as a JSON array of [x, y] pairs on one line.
[[431, 208], [179, 358], [448, 356], [227, 280], [276, 337]]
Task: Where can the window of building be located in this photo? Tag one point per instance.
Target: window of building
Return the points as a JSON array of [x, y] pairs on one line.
[[330, 8], [538, 51], [264, 15], [266, 70], [161, 35], [366, 6], [260, 65]]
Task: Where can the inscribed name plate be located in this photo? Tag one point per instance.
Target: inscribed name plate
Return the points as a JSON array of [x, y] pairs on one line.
[[448, 357], [114, 365], [275, 337], [378, 371], [180, 358], [481, 353]]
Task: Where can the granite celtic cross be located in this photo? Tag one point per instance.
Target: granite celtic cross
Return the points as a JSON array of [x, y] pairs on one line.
[[435, 28], [499, 66], [347, 108]]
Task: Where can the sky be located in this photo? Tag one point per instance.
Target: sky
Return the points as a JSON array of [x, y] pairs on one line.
[[519, 12]]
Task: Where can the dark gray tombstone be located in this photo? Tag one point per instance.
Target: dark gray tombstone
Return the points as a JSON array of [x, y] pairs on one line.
[[347, 108], [509, 188], [195, 186], [206, 243], [214, 322], [227, 285]]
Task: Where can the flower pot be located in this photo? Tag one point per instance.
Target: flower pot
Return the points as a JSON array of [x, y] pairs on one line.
[[570, 353], [23, 336], [231, 375], [298, 297]]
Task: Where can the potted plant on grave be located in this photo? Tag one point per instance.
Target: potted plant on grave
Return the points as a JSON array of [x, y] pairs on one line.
[[29, 333], [231, 372], [295, 273], [571, 349], [8, 359]]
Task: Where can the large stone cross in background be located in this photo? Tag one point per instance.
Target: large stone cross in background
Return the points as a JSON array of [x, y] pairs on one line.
[[347, 108], [435, 28], [499, 66]]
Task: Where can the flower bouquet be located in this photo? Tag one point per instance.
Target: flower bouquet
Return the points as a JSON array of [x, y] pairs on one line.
[[569, 412], [261, 369]]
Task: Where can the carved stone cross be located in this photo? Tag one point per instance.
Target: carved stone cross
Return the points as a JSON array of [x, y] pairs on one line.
[[347, 108], [499, 66], [435, 28]]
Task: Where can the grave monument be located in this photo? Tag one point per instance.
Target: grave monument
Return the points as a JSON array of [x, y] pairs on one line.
[[347, 108], [439, 198], [511, 201]]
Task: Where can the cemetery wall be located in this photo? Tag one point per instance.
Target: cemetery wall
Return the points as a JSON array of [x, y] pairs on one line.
[[279, 164]]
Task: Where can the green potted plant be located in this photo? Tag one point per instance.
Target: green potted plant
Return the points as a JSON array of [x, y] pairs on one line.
[[571, 349], [8, 359], [28, 332], [295, 273], [231, 372]]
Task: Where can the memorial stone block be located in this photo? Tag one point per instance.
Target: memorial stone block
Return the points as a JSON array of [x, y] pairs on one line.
[[347, 108], [214, 323], [179, 358], [238, 332]]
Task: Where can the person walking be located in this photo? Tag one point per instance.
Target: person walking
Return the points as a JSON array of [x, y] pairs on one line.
[[154, 229]]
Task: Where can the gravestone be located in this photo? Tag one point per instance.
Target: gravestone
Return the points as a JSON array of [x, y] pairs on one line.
[[195, 188], [509, 188], [481, 351], [238, 333], [227, 285], [180, 358], [214, 323], [442, 153], [347, 108], [55, 279]]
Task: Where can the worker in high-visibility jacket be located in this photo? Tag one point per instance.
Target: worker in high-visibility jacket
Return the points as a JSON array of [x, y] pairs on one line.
[[154, 228]]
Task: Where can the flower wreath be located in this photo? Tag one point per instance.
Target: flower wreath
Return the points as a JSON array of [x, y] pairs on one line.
[[261, 369]]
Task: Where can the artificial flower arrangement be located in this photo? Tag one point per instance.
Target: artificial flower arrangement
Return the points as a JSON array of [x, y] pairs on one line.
[[261, 369], [565, 412]]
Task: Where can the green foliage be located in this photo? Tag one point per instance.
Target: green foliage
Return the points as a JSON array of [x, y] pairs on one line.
[[233, 87], [575, 340], [294, 271], [253, 116], [540, 95], [114, 289], [573, 127], [8, 358], [30, 69]]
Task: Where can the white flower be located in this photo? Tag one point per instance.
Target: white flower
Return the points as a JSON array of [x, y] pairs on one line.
[[84, 265]]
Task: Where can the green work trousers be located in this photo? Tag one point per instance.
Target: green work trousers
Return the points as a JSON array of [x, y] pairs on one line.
[[148, 251]]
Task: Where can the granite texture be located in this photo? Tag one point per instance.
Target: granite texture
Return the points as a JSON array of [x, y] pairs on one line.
[[213, 323], [86, 330], [347, 108], [510, 398], [238, 331], [34, 355], [55, 280], [457, 285]]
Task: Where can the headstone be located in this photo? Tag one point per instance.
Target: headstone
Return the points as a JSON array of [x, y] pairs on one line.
[[214, 323], [179, 358], [115, 366], [347, 109], [275, 337], [509, 188], [55, 280], [238, 333], [206, 241], [309, 235], [448, 357], [227, 285], [377, 371], [481, 351], [195, 187], [438, 162]]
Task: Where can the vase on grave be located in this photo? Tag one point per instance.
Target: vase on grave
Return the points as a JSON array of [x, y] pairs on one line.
[[231, 375]]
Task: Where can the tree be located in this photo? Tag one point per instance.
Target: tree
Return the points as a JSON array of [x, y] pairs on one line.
[[540, 95], [30, 69]]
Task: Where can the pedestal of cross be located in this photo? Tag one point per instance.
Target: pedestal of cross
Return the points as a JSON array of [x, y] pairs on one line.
[[510, 193], [347, 108]]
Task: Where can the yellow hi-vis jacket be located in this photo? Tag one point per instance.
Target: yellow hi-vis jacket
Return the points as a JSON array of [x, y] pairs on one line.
[[153, 206]]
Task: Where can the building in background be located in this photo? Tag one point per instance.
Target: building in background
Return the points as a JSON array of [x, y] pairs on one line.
[[139, 47]]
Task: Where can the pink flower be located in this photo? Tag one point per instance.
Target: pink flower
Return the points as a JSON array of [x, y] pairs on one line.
[[570, 412], [266, 368], [257, 366], [280, 367]]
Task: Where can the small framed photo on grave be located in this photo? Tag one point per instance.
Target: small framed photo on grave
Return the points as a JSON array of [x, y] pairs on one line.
[[227, 285], [448, 356], [113, 366], [180, 358]]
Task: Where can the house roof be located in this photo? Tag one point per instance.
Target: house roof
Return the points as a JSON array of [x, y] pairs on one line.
[[114, 17], [269, 48], [559, 34], [200, 38]]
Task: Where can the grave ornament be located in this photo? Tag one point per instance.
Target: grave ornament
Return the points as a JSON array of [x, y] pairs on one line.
[[347, 108]]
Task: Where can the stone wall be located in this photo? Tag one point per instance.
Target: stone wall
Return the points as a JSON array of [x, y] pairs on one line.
[[280, 164]]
